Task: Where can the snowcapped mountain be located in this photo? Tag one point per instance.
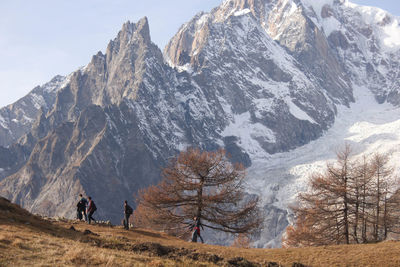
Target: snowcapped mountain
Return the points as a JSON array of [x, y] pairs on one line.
[[17, 119], [366, 41], [262, 87], [280, 84]]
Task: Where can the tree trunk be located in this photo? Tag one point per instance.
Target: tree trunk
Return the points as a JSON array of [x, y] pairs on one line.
[[356, 217], [364, 216], [346, 221], [200, 197], [377, 208], [385, 222], [346, 203]]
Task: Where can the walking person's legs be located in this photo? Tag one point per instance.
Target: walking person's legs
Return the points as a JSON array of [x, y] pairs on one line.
[[202, 241], [194, 236], [90, 217], [85, 215], [126, 221]]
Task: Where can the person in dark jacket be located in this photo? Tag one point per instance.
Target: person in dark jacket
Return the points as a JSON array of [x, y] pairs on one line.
[[196, 227], [127, 213], [91, 209], [82, 207], [79, 210]]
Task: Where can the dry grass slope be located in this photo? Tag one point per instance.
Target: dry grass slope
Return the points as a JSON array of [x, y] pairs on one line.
[[28, 240]]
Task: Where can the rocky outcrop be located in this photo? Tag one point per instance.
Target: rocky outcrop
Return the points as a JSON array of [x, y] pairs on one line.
[[301, 36]]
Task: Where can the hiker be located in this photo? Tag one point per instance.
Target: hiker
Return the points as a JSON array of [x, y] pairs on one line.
[[78, 211], [82, 207], [196, 226], [127, 213], [91, 209]]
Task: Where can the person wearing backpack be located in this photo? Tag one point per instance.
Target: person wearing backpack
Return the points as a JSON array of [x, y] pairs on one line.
[[79, 211], [127, 213], [91, 209], [82, 207], [195, 227]]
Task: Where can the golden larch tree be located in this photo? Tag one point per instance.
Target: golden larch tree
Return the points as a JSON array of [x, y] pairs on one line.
[[201, 184]]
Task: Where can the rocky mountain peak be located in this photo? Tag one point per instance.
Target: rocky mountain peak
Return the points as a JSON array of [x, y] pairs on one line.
[[115, 75], [130, 33], [255, 6], [144, 29], [192, 37]]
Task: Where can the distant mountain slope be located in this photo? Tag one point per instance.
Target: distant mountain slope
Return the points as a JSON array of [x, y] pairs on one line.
[[17, 119], [366, 42]]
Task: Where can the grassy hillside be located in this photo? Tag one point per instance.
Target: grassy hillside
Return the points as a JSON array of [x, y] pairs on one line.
[[27, 240]]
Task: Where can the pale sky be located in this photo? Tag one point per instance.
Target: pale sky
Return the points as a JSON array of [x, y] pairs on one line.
[[42, 38]]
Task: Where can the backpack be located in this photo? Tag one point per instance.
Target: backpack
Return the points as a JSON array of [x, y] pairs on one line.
[[80, 205], [129, 210], [94, 206]]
